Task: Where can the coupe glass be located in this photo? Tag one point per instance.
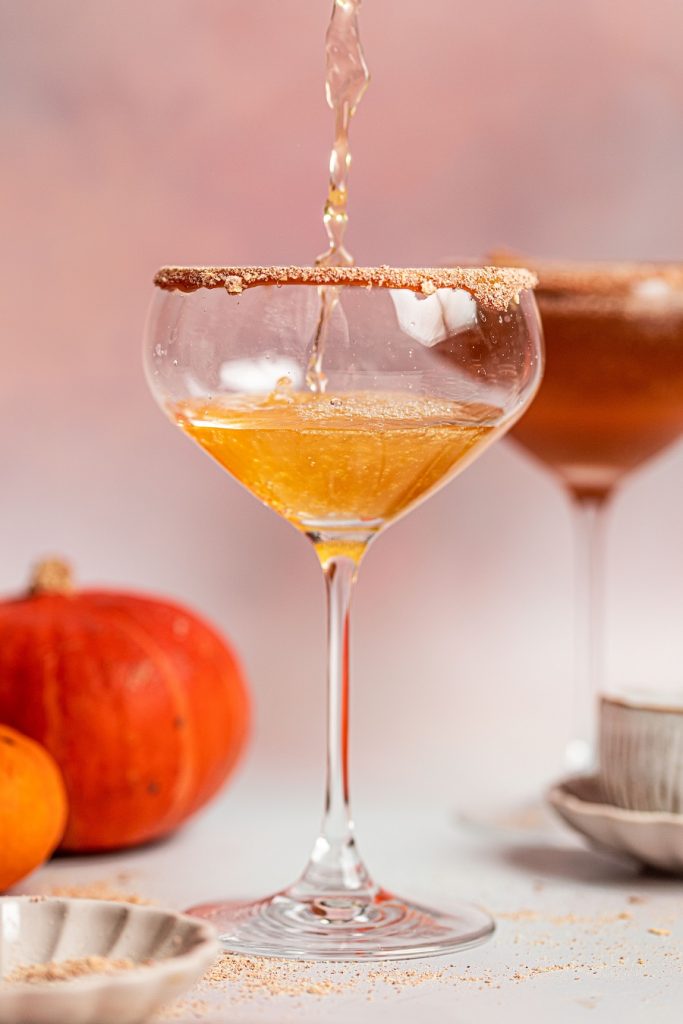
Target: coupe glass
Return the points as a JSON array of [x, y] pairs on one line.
[[421, 370], [612, 398]]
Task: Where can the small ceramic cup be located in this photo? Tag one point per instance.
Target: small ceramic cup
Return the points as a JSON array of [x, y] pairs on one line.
[[641, 752]]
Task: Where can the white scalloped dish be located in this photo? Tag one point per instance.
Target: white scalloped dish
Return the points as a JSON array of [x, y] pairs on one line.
[[653, 838], [170, 952]]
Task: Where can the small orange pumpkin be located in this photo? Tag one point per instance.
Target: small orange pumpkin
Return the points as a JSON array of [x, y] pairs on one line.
[[32, 806], [140, 702]]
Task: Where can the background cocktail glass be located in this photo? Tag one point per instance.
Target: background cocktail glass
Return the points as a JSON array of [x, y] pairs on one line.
[[418, 380], [611, 398]]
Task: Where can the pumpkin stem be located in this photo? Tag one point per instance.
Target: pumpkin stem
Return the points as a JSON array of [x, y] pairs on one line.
[[51, 576]]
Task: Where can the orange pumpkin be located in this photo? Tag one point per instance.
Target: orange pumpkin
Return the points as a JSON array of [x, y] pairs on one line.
[[32, 806], [140, 702]]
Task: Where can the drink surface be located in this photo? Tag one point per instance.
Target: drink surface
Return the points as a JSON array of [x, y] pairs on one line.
[[612, 392], [342, 464]]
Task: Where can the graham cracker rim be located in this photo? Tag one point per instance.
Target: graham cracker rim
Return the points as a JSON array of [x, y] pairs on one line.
[[491, 286], [600, 278]]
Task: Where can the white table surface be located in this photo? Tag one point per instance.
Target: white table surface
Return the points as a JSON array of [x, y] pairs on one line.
[[572, 939]]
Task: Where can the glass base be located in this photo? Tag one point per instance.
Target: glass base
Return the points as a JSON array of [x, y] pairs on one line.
[[378, 926]]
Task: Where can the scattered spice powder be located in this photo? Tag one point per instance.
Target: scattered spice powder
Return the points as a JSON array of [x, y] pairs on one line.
[[253, 976], [592, 921], [518, 915], [271, 975], [596, 921], [242, 978], [399, 978], [182, 1009], [67, 970], [532, 972]]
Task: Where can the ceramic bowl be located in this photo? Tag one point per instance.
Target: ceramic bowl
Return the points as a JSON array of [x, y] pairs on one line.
[[651, 838], [35, 930], [641, 752]]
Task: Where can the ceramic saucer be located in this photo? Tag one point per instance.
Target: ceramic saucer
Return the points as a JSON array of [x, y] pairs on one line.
[[651, 837]]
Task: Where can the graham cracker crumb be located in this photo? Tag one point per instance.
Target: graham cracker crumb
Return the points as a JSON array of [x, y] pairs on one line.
[[233, 285], [271, 976], [659, 931], [67, 970], [182, 1009], [518, 915]]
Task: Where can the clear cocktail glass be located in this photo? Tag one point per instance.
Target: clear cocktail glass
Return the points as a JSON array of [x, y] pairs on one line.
[[420, 372]]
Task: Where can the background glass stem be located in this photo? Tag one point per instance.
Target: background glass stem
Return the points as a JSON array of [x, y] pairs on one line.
[[335, 866], [589, 517]]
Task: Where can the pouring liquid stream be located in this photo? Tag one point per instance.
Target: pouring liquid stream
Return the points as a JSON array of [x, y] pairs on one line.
[[346, 80]]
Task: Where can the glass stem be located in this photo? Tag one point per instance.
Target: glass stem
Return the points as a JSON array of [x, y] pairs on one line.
[[589, 518], [335, 869]]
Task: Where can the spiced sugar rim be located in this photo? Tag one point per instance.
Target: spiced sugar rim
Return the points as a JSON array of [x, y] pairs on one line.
[[490, 286]]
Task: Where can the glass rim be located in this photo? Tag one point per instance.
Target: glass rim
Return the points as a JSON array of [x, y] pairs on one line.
[[599, 278], [489, 285]]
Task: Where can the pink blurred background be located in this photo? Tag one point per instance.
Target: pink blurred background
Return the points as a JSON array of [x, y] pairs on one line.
[[195, 131]]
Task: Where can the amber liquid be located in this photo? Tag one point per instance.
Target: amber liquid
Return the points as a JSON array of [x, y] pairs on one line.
[[339, 466], [612, 393]]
